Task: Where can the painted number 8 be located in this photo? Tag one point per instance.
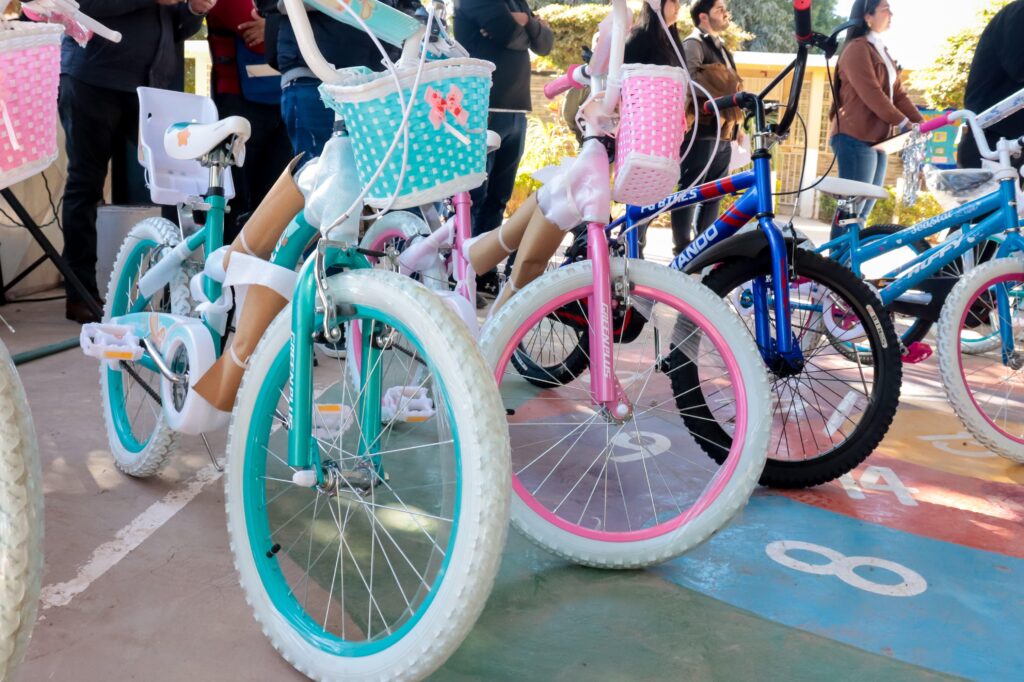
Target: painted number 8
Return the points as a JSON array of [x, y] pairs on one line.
[[843, 567]]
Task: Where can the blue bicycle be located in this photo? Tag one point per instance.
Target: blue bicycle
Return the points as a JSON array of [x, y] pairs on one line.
[[831, 407]]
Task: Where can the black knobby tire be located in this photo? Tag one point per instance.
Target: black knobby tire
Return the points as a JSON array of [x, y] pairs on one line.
[[886, 365]]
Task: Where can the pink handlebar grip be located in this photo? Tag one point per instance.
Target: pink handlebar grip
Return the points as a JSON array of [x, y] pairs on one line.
[[562, 83], [934, 124]]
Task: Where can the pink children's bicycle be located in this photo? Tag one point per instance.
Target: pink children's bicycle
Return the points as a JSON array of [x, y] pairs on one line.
[[605, 471]]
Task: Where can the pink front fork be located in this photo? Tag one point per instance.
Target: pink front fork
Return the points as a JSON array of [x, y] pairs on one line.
[[464, 275], [604, 385]]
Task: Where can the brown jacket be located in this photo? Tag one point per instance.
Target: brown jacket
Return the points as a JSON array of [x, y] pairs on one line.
[[720, 81], [864, 109]]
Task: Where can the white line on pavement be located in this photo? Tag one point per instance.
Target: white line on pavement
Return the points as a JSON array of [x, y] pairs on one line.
[[107, 555]]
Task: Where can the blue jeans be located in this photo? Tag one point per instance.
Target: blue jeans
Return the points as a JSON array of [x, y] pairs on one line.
[[859, 161], [308, 120]]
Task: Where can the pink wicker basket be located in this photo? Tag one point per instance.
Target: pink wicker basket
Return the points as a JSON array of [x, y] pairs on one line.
[[651, 128], [29, 76]]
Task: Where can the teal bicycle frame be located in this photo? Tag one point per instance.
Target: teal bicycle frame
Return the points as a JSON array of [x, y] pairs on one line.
[[306, 320]]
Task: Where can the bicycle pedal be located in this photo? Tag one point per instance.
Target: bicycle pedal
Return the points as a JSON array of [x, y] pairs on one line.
[[407, 404], [112, 343], [917, 352], [332, 421]]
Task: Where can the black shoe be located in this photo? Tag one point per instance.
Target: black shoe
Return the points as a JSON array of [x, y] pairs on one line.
[[78, 311], [488, 284]]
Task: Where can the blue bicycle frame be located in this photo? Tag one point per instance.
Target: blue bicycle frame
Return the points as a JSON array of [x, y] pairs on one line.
[[1000, 208], [757, 201]]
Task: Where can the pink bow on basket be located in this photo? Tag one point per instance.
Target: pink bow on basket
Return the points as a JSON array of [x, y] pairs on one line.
[[8, 124], [451, 104]]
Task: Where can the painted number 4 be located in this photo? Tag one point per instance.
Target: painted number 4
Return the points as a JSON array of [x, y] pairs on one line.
[[878, 479]]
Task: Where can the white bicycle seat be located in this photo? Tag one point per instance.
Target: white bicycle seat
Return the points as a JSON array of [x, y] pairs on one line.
[[195, 140], [850, 189]]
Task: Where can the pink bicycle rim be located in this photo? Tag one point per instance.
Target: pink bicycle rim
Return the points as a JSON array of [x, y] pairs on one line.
[[724, 474], [960, 360]]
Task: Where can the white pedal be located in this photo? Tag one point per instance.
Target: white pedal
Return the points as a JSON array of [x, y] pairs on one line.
[[406, 404], [111, 343], [332, 420]]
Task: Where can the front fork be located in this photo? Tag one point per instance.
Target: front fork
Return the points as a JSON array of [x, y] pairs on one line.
[[781, 351], [1012, 246], [605, 388]]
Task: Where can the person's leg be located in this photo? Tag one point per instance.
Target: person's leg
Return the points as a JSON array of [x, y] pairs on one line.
[[689, 171], [856, 160], [271, 148], [877, 178], [308, 120], [707, 213], [477, 195], [501, 179], [233, 105], [90, 118]]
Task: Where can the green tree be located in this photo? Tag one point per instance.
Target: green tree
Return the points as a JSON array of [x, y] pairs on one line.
[[771, 22], [575, 24], [944, 82]]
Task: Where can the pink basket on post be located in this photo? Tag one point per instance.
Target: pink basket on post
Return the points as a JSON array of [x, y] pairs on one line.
[[29, 76], [652, 124]]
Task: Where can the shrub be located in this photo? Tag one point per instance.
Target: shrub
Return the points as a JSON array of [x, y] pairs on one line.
[[547, 143], [889, 210]]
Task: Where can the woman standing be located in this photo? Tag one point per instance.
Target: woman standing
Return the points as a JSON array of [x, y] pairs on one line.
[[871, 104]]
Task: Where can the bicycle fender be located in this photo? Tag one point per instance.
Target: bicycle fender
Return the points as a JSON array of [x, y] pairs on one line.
[[743, 245]]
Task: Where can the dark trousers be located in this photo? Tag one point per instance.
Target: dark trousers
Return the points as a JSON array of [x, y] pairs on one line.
[[490, 198], [96, 123], [690, 221], [267, 153]]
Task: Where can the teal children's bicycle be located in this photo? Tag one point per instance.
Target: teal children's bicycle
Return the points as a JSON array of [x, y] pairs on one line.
[[367, 495]]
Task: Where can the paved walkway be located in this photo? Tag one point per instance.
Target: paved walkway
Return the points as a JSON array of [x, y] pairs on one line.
[[924, 548]]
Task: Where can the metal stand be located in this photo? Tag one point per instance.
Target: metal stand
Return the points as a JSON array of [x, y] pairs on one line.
[[49, 252]]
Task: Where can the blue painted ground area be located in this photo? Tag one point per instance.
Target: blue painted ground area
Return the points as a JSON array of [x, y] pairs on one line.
[[939, 605]]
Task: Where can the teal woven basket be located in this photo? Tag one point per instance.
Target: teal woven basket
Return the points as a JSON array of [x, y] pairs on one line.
[[447, 129]]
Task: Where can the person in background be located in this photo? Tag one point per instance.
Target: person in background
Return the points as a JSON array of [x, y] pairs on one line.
[[502, 32], [711, 65], [308, 120], [98, 108], [871, 104], [997, 71], [236, 36]]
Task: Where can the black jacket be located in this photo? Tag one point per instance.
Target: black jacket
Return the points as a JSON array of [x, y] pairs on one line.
[[997, 70], [342, 45], [487, 30], [149, 53]]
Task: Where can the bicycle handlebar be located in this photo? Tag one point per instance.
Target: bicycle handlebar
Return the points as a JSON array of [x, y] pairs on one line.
[[70, 11], [575, 77], [934, 124], [802, 20], [984, 150], [742, 100]]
